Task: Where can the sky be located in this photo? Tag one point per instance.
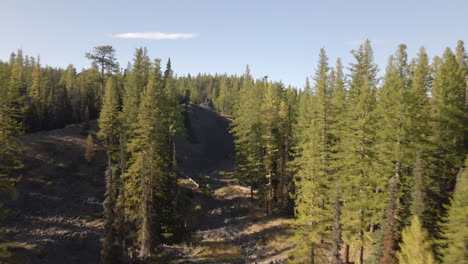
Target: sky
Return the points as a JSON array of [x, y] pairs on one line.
[[278, 39]]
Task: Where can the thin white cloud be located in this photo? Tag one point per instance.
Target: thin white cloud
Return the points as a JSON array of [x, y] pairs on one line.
[[155, 35]]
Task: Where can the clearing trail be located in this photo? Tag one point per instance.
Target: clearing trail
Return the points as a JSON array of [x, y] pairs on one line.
[[230, 227]]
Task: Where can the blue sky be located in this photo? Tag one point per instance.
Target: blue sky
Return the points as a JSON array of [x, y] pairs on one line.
[[280, 39]]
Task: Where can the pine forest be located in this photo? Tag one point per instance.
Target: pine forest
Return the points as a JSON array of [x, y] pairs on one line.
[[366, 163]]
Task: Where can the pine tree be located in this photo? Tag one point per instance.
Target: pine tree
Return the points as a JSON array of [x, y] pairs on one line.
[[455, 228], [9, 148], [271, 125], [37, 97], [247, 131], [312, 203], [68, 81], [362, 195], [109, 132], [15, 93], [448, 128], [338, 107], [89, 83], [223, 102], [104, 56], [462, 59], [393, 143], [108, 120], [150, 178], [416, 247], [136, 80], [418, 113]]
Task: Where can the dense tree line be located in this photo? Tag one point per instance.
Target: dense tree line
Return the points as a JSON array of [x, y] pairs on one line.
[[363, 156], [137, 126], [373, 168]]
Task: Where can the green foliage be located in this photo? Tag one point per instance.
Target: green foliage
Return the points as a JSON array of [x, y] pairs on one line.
[[109, 117], [393, 145], [9, 149], [135, 82], [455, 226], [362, 186], [416, 247], [313, 206], [247, 130], [448, 125]]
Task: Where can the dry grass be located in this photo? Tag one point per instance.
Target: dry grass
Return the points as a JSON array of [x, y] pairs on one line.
[[283, 223], [232, 191], [187, 183], [217, 250]]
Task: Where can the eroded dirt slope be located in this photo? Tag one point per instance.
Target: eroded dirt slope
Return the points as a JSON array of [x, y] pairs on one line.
[[56, 218]]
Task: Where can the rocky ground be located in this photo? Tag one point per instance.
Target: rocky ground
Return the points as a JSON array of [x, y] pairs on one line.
[[56, 218], [232, 228], [229, 227]]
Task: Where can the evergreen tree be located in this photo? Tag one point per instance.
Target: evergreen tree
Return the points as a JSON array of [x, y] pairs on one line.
[[150, 178], [136, 80], [104, 56], [362, 193], [418, 113], [448, 128], [247, 131], [109, 132], [224, 101], [108, 120], [416, 247], [271, 125], [462, 59], [88, 83], [9, 148], [393, 143], [455, 228], [68, 81], [338, 108], [312, 202], [15, 93]]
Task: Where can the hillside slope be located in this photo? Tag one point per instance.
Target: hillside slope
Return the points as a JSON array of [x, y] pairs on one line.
[[56, 218]]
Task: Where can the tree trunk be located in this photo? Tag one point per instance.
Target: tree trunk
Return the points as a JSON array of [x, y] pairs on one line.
[[391, 229], [312, 254], [145, 230], [361, 237], [346, 254], [336, 235]]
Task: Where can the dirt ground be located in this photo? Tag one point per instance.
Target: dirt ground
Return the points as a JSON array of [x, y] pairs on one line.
[[230, 227], [57, 216]]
